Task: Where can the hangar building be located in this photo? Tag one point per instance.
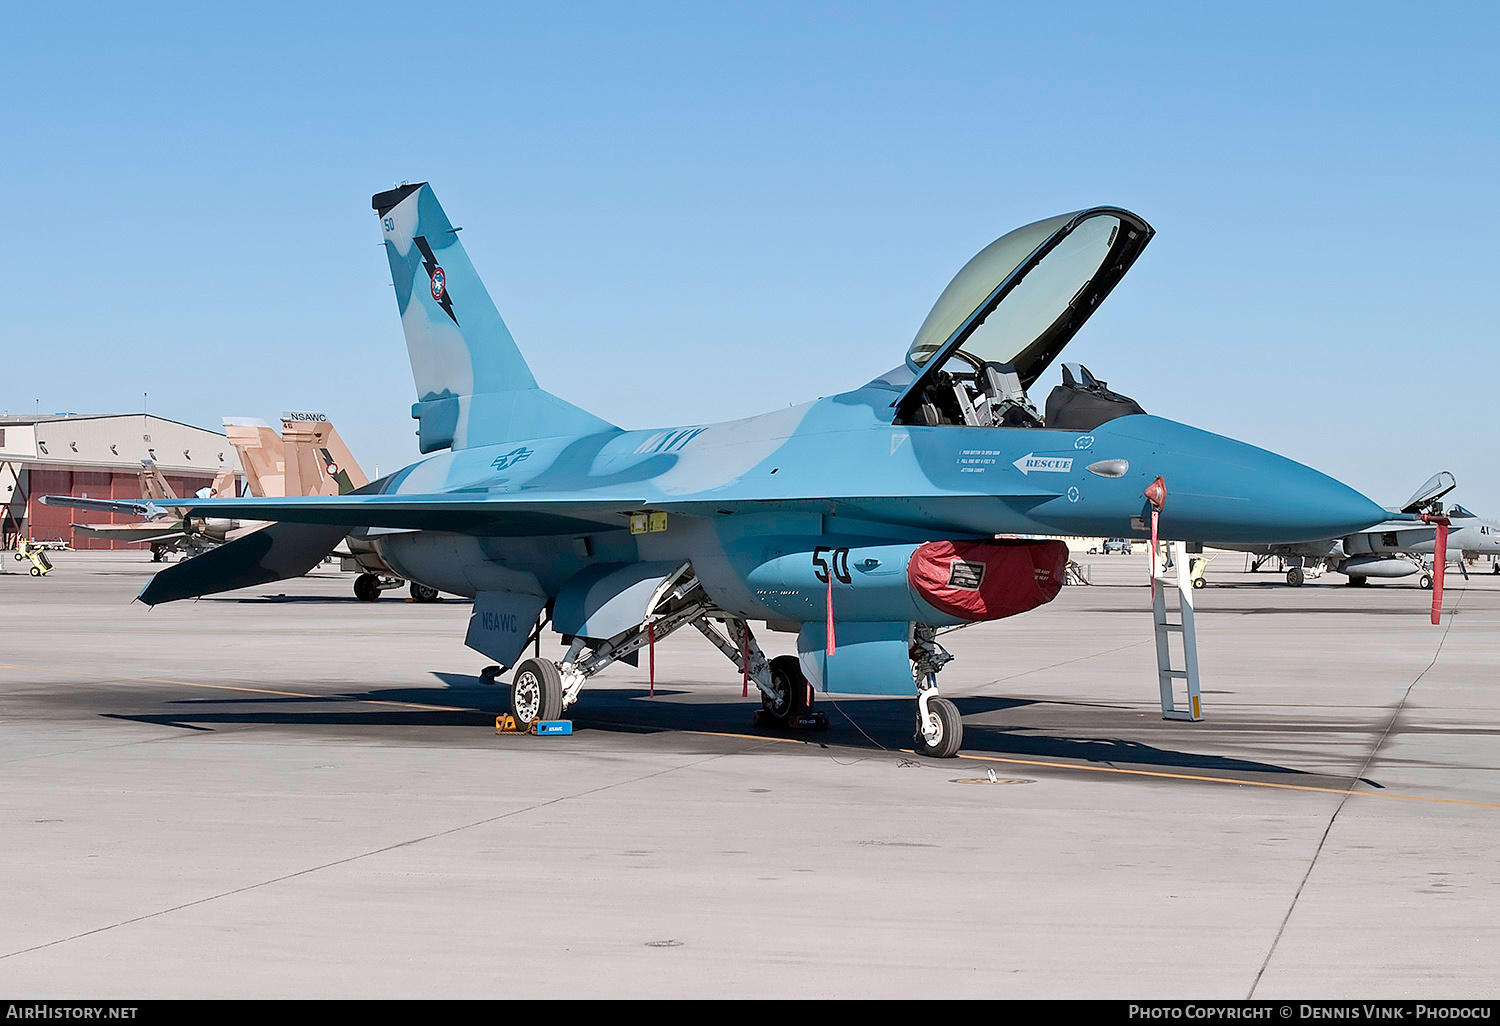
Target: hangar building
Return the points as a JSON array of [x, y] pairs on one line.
[[97, 455]]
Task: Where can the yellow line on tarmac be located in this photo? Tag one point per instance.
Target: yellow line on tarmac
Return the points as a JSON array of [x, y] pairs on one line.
[[749, 737], [252, 691], [1148, 773], [1229, 780]]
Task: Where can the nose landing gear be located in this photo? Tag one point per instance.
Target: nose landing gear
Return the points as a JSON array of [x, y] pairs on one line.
[[940, 728]]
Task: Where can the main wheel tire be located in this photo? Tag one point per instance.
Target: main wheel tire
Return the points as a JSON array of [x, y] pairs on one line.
[[367, 587], [1294, 577], [790, 685], [945, 743], [1199, 582], [422, 593], [1358, 582], [36, 571], [1425, 582], [536, 691]]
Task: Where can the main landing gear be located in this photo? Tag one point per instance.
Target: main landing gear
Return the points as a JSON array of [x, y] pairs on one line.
[[543, 689], [537, 691], [789, 696], [1305, 570], [368, 586]]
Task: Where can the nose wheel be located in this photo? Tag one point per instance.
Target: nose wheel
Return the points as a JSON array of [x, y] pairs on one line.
[[940, 729]]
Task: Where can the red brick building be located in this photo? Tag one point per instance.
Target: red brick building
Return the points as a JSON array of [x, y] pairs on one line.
[[98, 456]]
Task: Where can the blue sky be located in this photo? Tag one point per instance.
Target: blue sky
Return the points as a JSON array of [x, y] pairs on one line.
[[698, 211]]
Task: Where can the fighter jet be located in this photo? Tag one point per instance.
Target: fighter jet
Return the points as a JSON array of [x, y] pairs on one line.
[[319, 463], [166, 527], [862, 522], [1384, 551], [1469, 537], [262, 454]]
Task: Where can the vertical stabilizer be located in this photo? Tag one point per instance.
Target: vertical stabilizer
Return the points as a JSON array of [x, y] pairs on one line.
[[317, 460], [226, 484], [473, 384], [154, 487], [261, 455]]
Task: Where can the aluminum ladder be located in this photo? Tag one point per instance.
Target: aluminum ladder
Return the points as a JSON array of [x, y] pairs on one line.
[[1167, 674]]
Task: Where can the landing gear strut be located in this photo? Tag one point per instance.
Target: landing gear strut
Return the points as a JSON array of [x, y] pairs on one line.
[[368, 586], [544, 689], [940, 728]]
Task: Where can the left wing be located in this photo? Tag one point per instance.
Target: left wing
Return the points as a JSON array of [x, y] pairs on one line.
[[500, 515], [524, 513], [128, 507]]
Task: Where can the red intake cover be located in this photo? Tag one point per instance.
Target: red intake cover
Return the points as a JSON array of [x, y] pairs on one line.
[[987, 580]]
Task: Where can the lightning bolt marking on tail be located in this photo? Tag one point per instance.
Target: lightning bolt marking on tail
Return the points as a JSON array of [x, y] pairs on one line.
[[430, 265]]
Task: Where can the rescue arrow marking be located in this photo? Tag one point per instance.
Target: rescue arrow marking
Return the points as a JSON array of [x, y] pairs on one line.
[[1047, 464]]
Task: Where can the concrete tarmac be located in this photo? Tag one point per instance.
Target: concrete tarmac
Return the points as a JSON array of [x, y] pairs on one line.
[[285, 792]]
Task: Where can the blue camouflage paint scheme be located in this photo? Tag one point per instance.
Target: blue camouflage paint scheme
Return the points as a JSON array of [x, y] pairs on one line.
[[535, 491]]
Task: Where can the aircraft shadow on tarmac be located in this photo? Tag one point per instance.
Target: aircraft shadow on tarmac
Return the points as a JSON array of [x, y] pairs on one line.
[[871, 724]]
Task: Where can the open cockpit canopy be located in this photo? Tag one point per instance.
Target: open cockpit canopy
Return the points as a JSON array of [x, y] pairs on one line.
[[1425, 499], [1012, 308]]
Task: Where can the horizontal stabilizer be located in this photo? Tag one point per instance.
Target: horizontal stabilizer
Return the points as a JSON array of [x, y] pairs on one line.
[[135, 534], [273, 553]]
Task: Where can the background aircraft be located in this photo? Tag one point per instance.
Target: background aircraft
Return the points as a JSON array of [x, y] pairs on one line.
[[1384, 550], [864, 522], [166, 527], [262, 455], [319, 463], [311, 460], [1469, 537]]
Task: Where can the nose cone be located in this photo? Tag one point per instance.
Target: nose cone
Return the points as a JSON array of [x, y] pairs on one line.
[[1220, 490]]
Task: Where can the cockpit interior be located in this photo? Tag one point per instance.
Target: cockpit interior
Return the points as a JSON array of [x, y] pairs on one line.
[[1007, 315]]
